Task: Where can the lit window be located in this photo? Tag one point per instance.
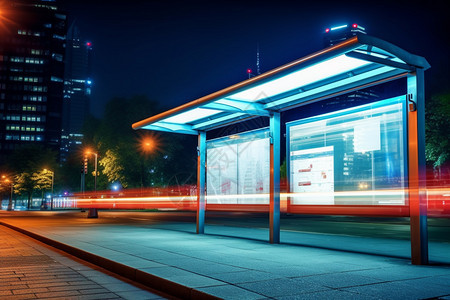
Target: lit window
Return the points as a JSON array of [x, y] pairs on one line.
[[56, 79]]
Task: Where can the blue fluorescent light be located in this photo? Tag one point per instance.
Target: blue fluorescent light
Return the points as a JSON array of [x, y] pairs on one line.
[[334, 66], [338, 27], [192, 115], [328, 87]]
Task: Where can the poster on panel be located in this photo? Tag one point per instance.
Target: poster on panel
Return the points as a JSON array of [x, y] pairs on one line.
[[313, 176], [354, 156]]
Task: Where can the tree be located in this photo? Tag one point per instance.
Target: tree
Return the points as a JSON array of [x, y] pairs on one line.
[[24, 184], [68, 177], [112, 168], [42, 181], [28, 163], [32, 158], [6, 185], [437, 146], [121, 156]]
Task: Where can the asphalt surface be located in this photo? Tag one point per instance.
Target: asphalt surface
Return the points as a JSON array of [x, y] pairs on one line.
[[162, 251]]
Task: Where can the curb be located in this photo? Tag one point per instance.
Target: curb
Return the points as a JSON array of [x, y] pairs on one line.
[[157, 283]]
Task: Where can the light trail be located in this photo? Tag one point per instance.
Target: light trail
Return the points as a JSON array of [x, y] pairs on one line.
[[367, 203]]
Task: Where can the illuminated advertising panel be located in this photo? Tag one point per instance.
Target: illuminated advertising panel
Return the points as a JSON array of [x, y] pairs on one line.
[[313, 175], [355, 156], [237, 169], [221, 170]]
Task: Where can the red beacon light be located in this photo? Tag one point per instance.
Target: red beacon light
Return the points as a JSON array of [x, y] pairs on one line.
[[327, 30], [89, 44], [249, 71], [358, 28]]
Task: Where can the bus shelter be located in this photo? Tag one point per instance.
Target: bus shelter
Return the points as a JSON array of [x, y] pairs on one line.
[[354, 64]]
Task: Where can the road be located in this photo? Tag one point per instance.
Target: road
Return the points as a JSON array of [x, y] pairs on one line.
[[395, 228]]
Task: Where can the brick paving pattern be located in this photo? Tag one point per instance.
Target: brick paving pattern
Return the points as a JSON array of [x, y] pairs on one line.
[[31, 270]]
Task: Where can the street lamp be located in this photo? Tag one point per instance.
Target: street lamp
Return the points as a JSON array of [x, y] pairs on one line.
[[149, 144], [93, 212], [12, 189], [89, 152], [53, 181]]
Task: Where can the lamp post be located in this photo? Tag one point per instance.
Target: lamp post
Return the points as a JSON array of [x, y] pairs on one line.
[[12, 190], [89, 152], [146, 146], [53, 181], [149, 144], [11, 197], [93, 212]]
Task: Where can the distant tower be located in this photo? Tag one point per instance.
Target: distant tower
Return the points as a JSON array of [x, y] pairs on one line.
[[336, 35], [258, 71], [77, 90]]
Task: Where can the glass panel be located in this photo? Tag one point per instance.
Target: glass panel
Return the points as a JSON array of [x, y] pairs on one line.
[[238, 169], [350, 157]]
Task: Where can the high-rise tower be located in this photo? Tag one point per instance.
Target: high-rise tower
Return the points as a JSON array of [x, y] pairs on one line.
[[77, 90], [31, 74]]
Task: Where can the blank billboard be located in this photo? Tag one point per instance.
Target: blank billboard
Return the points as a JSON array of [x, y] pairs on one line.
[[238, 169]]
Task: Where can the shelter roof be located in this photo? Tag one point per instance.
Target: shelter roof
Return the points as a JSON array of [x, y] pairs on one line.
[[355, 63]]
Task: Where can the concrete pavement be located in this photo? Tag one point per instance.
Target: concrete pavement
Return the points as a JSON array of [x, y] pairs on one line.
[[32, 270], [237, 263]]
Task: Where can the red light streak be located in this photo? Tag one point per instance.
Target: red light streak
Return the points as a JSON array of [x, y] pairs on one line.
[[184, 198]]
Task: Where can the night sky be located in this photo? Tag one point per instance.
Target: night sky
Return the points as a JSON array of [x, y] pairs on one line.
[[178, 51]]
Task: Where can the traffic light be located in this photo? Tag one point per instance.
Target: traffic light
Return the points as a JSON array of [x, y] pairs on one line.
[[85, 165]]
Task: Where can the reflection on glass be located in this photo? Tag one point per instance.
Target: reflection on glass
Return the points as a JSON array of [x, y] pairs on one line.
[[238, 165], [350, 157]]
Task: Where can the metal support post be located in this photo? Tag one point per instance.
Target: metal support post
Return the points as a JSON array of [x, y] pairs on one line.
[[201, 181], [275, 141], [416, 168]]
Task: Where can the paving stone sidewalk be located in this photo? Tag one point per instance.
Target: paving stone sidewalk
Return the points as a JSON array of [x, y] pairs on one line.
[[32, 270], [237, 263]]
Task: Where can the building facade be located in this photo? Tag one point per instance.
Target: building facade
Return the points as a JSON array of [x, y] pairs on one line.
[[32, 42], [77, 91]]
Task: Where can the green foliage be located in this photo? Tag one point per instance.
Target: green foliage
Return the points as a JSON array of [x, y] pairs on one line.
[[42, 180], [68, 178], [437, 115], [5, 186], [24, 184], [283, 170], [112, 168], [28, 164], [32, 158], [121, 155]]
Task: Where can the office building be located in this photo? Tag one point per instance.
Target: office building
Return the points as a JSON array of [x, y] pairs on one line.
[[32, 44], [77, 90]]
